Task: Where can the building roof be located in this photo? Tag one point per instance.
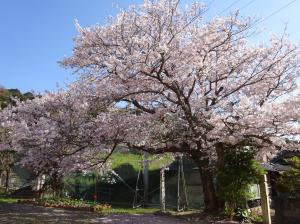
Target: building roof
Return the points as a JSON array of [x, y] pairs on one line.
[[275, 167]]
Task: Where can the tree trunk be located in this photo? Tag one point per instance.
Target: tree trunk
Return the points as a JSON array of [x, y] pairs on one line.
[[210, 198], [220, 149]]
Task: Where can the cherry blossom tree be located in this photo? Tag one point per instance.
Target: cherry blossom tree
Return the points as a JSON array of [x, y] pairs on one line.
[[59, 133], [162, 79], [188, 85]]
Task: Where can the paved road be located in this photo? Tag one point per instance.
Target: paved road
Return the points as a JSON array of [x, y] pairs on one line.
[[32, 214]]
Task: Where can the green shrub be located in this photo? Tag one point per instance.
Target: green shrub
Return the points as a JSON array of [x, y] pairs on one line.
[[242, 214], [239, 172], [256, 218], [102, 208], [3, 191], [73, 204], [289, 181]]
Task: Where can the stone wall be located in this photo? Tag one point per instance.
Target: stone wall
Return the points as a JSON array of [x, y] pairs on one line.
[[287, 210]]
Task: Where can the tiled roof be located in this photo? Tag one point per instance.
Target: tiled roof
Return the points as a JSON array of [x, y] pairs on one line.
[[275, 167]]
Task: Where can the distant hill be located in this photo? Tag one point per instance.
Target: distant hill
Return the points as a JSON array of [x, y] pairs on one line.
[[8, 96]]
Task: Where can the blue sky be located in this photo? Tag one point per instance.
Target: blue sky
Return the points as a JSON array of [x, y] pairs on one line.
[[35, 34]]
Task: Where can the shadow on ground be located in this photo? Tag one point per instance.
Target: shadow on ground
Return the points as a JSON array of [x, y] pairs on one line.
[[32, 214]]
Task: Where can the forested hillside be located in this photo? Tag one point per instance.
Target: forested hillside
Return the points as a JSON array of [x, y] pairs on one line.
[[8, 96]]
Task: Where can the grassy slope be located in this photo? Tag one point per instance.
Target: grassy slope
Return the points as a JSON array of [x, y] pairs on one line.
[[118, 159], [134, 160]]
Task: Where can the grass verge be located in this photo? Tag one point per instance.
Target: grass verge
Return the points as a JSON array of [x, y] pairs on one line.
[[8, 200], [119, 210]]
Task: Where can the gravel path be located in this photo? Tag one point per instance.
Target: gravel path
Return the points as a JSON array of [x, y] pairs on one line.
[[26, 213]]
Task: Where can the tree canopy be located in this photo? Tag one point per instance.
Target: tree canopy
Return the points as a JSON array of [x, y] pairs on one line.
[[160, 78]]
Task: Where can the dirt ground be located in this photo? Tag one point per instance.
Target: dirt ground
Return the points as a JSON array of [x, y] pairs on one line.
[[32, 214]]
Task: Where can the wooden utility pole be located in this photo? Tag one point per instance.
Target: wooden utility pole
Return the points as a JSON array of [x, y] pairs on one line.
[[181, 204], [162, 190], [264, 195], [178, 185], [146, 178], [184, 185], [95, 190]]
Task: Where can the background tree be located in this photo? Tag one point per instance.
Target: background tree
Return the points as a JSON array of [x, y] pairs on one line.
[[59, 133], [9, 97], [7, 160]]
